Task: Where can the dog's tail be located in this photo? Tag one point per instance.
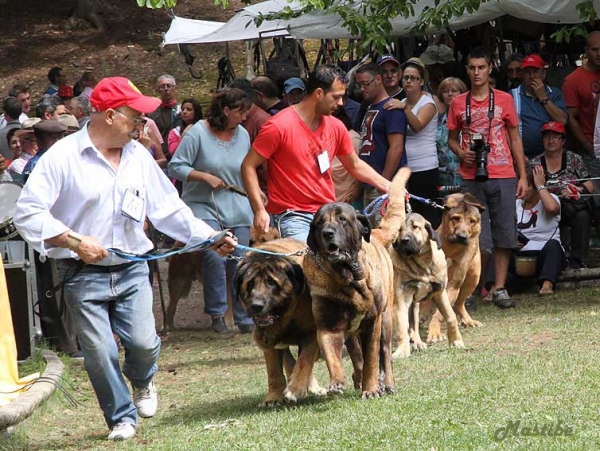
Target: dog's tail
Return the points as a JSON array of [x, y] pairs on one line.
[[395, 214]]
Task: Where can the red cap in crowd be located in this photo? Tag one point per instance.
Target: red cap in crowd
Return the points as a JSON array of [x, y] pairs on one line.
[[533, 61], [115, 92], [555, 127], [65, 91]]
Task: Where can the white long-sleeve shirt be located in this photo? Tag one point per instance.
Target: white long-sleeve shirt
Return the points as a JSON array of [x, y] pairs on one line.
[[74, 187]]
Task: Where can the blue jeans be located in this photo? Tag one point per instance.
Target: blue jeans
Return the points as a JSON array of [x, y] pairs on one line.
[[294, 224], [102, 302], [218, 275]]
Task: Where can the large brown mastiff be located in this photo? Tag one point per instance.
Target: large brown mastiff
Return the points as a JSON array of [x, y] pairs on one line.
[[274, 292], [350, 276]]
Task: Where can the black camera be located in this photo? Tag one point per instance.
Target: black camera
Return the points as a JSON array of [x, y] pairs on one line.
[[481, 149]]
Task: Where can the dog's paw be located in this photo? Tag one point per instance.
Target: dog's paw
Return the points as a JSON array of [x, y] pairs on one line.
[[370, 394], [470, 323], [336, 388], [457, 344], [403, 351], [272, 402], [293, 397], [390, 390], [436, 337], [419, 346], [317, 390]]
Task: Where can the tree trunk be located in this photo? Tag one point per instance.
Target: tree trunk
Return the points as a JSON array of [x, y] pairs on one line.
[[87, 10]]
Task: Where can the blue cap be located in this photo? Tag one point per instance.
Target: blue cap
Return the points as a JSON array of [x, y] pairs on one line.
[[293, 83], [387, 58]]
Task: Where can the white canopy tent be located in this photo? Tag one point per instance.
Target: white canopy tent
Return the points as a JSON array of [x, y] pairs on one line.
[[324, 25]]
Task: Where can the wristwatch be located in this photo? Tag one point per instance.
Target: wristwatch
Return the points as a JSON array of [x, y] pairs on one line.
[[545, 101], [541, 187]]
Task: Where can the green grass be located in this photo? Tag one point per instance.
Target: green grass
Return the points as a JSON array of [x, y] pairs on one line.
[[537, 364]]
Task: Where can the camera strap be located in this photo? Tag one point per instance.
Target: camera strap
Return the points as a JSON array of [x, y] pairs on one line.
[[491, 106]]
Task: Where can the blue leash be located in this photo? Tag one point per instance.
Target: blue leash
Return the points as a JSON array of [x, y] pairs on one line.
[[158, 255], [373, 207]]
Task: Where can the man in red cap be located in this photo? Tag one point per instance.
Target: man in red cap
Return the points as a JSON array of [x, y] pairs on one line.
[[92, 191], [536, 103]]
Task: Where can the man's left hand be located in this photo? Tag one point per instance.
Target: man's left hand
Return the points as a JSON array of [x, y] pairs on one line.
[[225, 245], [522, 185]]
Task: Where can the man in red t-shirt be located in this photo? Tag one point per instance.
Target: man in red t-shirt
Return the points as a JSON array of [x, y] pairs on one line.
[[300, 144], [485, 117], [581, 90]]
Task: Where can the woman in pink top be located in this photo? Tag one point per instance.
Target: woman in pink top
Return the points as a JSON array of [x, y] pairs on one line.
[[191, 112]]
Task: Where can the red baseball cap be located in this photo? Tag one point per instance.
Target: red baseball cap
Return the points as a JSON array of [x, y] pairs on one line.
[[115, 92], [555, 127], [533, 61], [65, 91]]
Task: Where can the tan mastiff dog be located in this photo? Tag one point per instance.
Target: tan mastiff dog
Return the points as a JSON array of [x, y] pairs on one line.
[[350, 276], [420, 274], [459, 233]]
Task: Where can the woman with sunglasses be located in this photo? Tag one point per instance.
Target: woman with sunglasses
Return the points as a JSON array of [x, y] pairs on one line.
[[208, 162], [420, 146]]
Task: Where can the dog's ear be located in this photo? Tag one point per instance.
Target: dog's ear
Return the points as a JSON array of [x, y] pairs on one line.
[[452, 200], [433, 234], [238, 277], [473, 201], [311, 239], [296, 275], [364, 227]]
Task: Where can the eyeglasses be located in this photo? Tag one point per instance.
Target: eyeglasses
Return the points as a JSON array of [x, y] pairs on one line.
[[137, 120], [166, 86], [410, 78], [365, 84]]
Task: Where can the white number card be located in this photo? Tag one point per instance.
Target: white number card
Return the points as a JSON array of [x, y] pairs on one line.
[[133, 205], [323, 160]]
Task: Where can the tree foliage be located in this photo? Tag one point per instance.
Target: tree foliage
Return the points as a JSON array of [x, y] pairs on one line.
[[371, 19]]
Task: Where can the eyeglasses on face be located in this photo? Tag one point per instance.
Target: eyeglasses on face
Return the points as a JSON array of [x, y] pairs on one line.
[[137, 120], [365, 84], [166, 86], [410, 78]]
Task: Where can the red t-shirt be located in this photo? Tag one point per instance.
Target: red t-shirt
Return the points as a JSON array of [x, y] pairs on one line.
[[580, 90], [294, 179], [500, 161]]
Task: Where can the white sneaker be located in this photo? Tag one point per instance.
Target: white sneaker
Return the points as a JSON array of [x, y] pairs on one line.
[[122, 431], [145, 400]]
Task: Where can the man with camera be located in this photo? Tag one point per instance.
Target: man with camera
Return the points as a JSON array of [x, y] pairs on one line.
[[484, 133]]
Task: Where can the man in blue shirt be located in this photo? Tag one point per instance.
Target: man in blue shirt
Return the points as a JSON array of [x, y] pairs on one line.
[[536, 104], [382, 131]]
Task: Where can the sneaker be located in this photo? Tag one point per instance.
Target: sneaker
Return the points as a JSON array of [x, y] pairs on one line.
[[145, 400], [470, 304], [121, 431], [246, 328], [218, 325], [77, 355], [502, 300]]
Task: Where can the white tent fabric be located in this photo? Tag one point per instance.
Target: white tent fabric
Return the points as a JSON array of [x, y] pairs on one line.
[[188, 31], [324, 25]]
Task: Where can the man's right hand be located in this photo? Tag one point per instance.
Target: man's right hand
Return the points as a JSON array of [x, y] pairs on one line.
[[262, 220]]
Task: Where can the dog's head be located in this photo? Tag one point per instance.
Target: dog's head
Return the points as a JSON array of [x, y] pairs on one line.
[[266, 285], [461, 222], [415, 235], [335, 235], [336, 232], [259, 236]]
